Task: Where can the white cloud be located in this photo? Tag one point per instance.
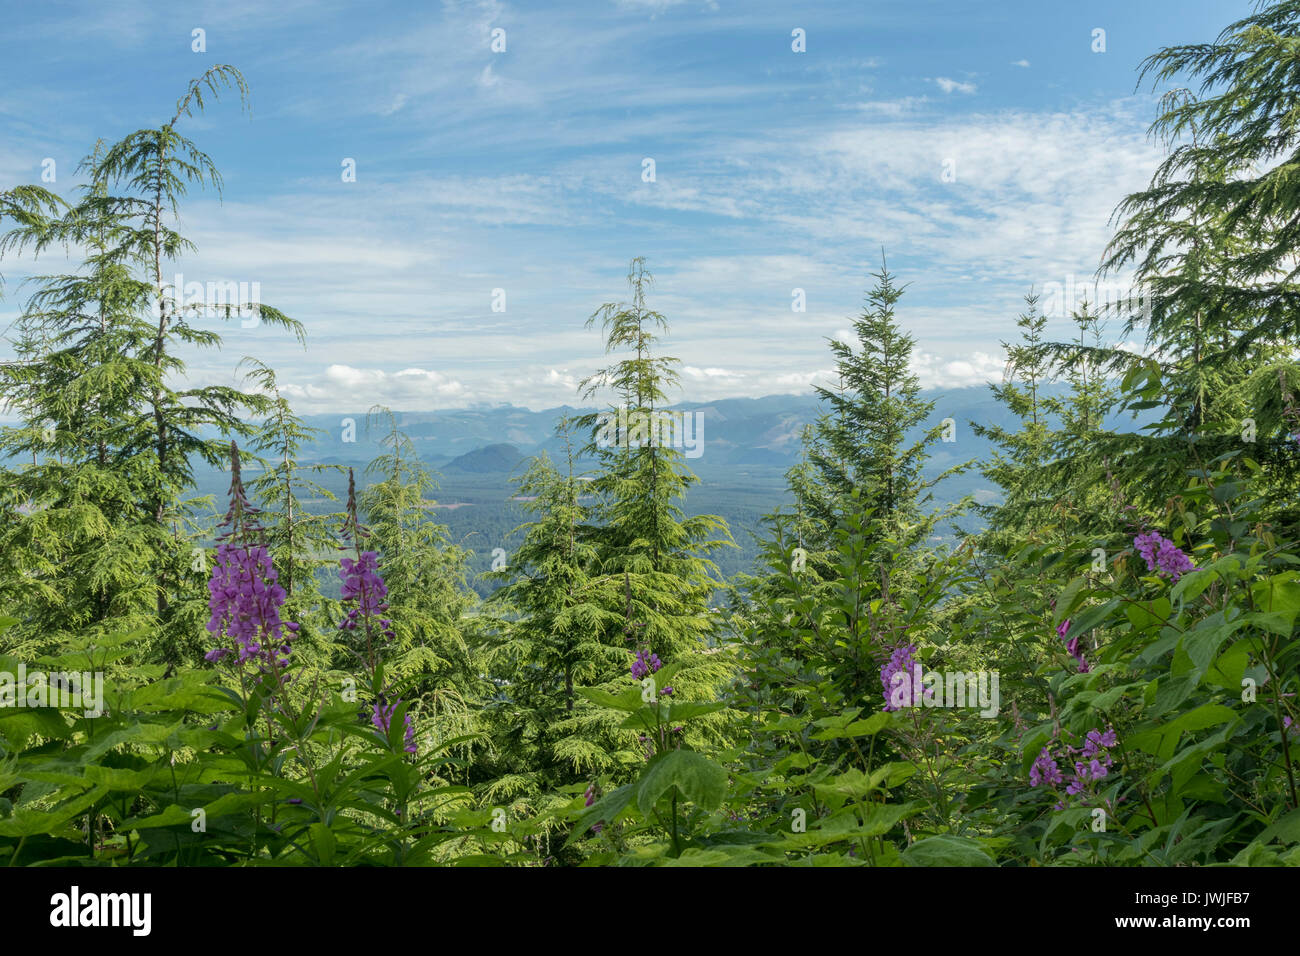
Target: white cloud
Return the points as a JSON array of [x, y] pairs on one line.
[[699, 374], [1023, 63], [800, 382], [977, 368], [896, 107], [954, 86], [343, 386], [398, 102], [562, 378]]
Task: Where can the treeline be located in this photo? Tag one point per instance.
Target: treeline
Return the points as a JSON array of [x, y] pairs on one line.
[[1105, 674]]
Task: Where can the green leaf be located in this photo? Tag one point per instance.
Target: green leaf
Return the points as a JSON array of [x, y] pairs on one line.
[[323, 839], [628, 700], [947, 850], [1229, 669], [1285, 829], [1149, 615], [1190, 586], [1279, 596], [678, 711], [1207, 715], [1069, 599], [721, 856], [698, 778], [117, 778], [858, 728], [1092, 617], [1202, 644]]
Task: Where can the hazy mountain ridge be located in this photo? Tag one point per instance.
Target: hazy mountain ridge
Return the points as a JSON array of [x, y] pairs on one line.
[[759, 432]]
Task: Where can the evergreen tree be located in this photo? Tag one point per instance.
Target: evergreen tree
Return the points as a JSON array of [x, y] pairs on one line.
[[425, 575], [644, 546], [861, 444], [551, 611], [1019, 456], [120, 436], [1212, 243], [78, 538]]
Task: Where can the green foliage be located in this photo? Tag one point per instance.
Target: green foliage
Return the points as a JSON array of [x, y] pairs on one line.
[[547, 622], [597, 710]]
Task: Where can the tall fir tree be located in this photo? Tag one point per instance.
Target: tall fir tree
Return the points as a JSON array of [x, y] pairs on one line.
[[550, 613], [1211, 242], [644, 545], [1019, 457], [862, 444], [113, 334]]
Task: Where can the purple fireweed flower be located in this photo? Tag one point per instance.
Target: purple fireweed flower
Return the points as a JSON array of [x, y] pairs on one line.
[[1095, 765], [1162, 556], [1146, 544], [244, 602], [382, 716], [1097, 742], [1072, 646], [901, 679], [1044, 770], [362, 583], [667, 691], [645, 664], [590, 796]]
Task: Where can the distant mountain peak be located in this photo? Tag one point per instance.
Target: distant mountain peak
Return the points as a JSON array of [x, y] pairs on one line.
[[489, 459]]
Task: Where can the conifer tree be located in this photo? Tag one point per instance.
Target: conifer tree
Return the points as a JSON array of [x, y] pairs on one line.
[[425, 574], [1212, 243], [862, 442], [551, 612], [644, 546], [76, 535], [1019, 456], [1083, 480], [1232, 171], [112, 334]]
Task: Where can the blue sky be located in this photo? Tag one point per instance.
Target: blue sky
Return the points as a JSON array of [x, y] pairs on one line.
[[522, 170]]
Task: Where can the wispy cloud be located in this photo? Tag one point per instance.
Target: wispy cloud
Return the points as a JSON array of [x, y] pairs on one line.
[[522, 171], [953, 86]]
